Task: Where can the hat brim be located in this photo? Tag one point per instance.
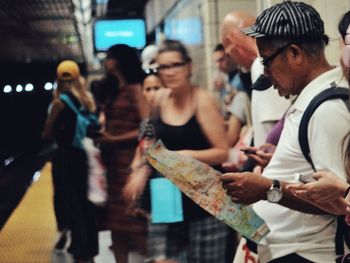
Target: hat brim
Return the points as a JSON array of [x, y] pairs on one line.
[[251, 31]]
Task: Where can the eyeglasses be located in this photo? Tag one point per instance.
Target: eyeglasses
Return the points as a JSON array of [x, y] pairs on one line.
[[266, 62], [175, 66]]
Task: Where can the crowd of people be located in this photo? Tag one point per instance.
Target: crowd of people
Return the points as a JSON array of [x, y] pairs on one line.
[[270, 69]]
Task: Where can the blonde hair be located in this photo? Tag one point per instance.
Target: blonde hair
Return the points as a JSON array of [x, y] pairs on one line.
[[79, 90]]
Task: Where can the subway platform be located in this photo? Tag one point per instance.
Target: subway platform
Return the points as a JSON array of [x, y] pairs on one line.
[[29, 235]]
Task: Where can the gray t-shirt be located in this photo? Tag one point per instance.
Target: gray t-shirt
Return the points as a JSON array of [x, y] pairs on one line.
[[240, 107]]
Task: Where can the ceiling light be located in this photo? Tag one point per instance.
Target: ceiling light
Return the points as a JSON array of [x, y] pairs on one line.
[[19, 88], [48, 86], [29, 87], [7, 89]]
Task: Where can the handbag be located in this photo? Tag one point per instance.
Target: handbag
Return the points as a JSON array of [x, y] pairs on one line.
[[97, 182], [166, 201]]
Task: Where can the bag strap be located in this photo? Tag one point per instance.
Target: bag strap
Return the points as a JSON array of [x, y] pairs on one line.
[[333, 92], [66, 99], [341, 236]]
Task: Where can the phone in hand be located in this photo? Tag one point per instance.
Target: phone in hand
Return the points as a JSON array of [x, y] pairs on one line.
[[248, 151], [305, 178]]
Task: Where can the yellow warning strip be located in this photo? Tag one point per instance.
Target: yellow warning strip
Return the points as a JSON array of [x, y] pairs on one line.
[[29, 234]]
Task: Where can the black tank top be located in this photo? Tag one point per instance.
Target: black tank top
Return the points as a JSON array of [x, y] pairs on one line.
[[184, 137]]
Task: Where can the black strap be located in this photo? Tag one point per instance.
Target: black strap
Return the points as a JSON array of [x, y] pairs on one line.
[[328, 94], [342, 235], [334, 92]]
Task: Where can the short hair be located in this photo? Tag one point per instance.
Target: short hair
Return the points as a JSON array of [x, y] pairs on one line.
[[219, 47], [176, 46]]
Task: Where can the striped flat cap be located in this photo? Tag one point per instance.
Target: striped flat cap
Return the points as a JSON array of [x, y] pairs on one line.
[[288, 20]]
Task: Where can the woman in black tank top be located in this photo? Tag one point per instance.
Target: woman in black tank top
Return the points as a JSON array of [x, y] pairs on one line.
[[189, 122]]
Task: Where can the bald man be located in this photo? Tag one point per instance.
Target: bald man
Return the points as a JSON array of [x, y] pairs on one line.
[[267, 106]]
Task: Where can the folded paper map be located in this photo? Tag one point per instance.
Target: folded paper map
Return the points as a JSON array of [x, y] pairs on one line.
[[202, 184]]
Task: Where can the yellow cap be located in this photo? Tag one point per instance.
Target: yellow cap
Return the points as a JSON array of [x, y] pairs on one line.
[[68, 70]]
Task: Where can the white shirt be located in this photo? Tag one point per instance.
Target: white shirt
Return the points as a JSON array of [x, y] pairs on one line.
[[310, 236], [268, 107]]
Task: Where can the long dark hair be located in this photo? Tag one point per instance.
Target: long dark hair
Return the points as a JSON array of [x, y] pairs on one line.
[[129, 63]]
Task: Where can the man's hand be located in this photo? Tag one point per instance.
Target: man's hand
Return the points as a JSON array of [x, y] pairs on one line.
[[246, 188], [327, 188], [263, 154]]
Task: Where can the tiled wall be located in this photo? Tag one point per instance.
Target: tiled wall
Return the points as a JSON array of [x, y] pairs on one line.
[[212, 12]]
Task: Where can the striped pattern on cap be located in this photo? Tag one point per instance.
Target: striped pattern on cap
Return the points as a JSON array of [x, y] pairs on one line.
[[288, 20]]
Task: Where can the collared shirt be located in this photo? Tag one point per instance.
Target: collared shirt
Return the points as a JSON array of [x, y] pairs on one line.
[[310, 236]]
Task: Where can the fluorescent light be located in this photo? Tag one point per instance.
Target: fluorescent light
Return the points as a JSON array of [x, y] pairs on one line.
[[7, 89], [29, 87], [19, 88], [48, 86]]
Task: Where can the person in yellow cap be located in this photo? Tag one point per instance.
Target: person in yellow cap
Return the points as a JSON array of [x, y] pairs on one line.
[[70, 168]]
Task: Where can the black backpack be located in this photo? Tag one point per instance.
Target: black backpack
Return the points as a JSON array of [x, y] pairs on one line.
[[334, 92]]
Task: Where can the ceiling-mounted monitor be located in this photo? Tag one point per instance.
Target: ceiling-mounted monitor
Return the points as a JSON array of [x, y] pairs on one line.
[[188, 30], [108, 32]]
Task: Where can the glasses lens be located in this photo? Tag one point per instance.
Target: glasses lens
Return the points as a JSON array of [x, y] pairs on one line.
[[174, 66]]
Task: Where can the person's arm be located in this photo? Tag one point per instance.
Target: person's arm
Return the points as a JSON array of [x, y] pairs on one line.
[[327, 189], [261, 155], [212, 124], [107, 138], [142, 105], [234, 129], [325, 138], [248, 188], [57, 107], [238, 118], [137, 179]]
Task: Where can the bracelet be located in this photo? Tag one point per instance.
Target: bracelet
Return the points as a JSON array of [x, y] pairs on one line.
[[347, 191]]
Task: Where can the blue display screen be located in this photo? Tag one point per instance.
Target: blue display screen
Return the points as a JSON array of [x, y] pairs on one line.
[[131, 32], [188, 30]]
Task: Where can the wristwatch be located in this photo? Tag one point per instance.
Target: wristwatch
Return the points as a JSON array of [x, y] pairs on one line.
[[274, 194]]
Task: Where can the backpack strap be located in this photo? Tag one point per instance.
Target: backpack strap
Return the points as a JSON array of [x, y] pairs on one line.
[[333, 92], [341, 236], [67, 100]]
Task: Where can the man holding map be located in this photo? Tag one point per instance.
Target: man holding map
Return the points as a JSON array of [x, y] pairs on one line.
[[291, 41]]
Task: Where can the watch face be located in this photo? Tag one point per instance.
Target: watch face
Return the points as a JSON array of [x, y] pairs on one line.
[[274, 195]]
